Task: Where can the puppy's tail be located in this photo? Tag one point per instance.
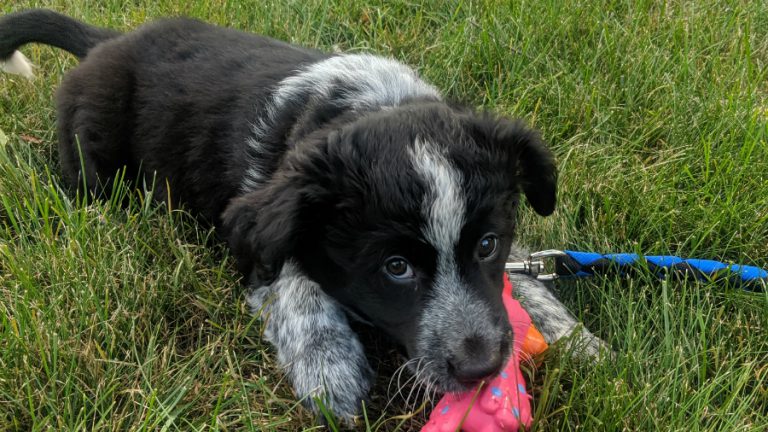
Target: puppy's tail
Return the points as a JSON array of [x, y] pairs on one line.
[[50, 28]]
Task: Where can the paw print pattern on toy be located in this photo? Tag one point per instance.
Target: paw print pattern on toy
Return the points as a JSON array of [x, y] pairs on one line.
[[503, 404]]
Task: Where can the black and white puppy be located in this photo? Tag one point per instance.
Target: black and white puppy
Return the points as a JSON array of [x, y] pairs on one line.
[[344, 184]]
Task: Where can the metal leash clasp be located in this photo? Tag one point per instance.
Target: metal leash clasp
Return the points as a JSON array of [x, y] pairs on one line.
[[534, 265]]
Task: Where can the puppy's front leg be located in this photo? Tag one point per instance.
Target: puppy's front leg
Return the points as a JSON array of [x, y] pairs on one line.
[[553, 319], [315, 345]]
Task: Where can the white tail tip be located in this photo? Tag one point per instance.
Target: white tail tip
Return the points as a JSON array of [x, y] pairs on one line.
[[18, 64]]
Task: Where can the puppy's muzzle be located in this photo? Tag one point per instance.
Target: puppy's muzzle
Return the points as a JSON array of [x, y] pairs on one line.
[[477, 358]]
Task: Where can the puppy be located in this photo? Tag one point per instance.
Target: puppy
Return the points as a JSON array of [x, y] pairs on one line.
[[344, 185]]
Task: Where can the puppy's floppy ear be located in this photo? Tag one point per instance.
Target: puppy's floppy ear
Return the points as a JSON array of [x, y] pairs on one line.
[[537, 172], [265, 227], [525, 153]]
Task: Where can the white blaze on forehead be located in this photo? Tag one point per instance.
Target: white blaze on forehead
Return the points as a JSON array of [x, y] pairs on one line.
[[454, 312], [444, 207]]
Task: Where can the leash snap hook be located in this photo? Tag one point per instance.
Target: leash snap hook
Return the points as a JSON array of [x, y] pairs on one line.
[[534, 266]]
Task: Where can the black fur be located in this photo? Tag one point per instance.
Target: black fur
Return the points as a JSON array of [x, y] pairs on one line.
[[155, 99], [329, 180]]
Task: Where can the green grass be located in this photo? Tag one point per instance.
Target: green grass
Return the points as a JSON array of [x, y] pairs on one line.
[[132, 319]]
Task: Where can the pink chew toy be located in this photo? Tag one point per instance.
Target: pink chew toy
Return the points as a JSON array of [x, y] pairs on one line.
[[502, 404]]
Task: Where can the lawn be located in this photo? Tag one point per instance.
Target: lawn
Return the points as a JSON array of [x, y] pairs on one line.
[[132, 319]]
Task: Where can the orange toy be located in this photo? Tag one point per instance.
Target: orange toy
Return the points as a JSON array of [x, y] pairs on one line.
[[534, 343]]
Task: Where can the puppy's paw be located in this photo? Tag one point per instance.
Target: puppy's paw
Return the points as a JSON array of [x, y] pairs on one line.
[[583, 344], [316, 347], [332, 374]]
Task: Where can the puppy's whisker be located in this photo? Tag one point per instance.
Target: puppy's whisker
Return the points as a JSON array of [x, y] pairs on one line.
[[398, 375], [410, 382], [422, 379], [527, 358], [431, 393], [415, 385]]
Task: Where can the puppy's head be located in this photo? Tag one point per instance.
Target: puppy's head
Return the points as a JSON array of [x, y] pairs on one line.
[[406, 218]]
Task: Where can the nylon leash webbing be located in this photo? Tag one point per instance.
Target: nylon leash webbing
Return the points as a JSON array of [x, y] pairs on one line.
[[578, 264]]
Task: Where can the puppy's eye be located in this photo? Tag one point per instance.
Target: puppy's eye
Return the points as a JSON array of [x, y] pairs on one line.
[[486, 249], [398, 268]]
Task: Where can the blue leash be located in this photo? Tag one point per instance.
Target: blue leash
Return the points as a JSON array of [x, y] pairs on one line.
[[577, 264]]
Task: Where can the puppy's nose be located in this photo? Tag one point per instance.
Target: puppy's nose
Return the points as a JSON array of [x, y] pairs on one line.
[[475, 360]]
